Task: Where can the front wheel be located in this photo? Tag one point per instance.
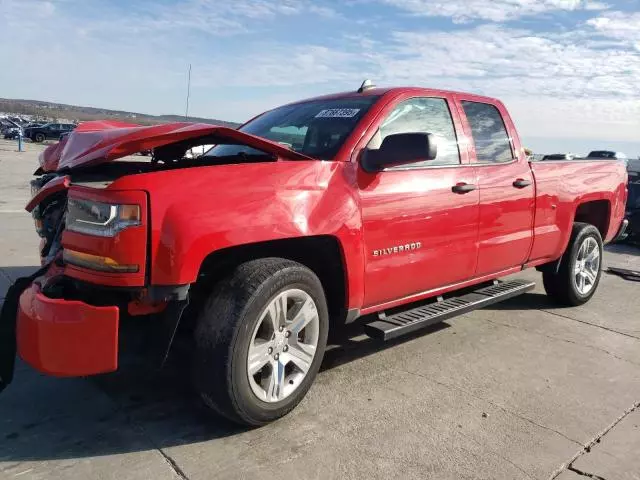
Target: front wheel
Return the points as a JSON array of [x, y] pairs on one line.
[[260, 340], [580, 269], [38, 137]]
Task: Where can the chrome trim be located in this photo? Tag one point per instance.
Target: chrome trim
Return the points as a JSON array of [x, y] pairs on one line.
[[113, 213]]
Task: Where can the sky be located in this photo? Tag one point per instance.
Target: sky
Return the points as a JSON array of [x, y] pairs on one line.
[[568, 70]]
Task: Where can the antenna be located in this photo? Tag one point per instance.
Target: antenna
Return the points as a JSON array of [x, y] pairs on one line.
[[186, 111], [366, 85]]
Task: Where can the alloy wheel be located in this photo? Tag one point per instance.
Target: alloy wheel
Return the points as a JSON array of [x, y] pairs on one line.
[[283, 345]]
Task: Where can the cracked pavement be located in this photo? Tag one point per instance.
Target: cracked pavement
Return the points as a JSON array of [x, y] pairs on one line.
[[517, 390]]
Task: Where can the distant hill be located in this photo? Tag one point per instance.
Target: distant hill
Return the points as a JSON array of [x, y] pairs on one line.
[[49, 111]]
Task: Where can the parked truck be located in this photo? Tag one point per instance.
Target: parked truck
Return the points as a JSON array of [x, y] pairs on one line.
[[48, 131], [402, 206]]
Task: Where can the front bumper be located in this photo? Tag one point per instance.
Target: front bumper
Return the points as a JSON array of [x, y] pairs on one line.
[[66, 338]]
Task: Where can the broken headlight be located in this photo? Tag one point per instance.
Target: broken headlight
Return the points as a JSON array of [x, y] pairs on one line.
[[100, 219]]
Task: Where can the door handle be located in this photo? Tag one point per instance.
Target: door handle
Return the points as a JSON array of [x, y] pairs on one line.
[[463, 188], [521, 183]]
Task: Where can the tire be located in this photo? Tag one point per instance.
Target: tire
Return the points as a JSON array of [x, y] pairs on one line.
[[228, 327], [564, 287], [38, 137]]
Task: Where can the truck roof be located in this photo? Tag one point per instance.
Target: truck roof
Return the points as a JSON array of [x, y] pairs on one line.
[[392, 91]]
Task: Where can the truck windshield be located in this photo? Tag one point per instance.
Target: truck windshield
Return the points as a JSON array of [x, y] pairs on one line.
[[316, 128]]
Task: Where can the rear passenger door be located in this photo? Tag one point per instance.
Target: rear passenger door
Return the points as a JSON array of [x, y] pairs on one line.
[[506, 184]]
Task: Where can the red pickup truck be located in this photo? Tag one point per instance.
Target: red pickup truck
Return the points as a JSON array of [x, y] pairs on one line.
[[402, 205]]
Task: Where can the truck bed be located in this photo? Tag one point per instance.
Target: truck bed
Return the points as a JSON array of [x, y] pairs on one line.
[[562, 185]]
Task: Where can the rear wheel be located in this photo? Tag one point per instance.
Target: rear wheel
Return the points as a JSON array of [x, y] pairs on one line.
[[260, 340], [580, 269]]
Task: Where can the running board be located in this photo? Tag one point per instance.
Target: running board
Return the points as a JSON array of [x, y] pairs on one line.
[[392, 326]]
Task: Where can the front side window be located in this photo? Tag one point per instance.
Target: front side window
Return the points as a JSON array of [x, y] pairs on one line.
[[422, 115], [489, 133], [316, 128]]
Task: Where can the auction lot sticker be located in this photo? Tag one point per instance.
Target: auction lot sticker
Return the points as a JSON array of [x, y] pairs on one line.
[[338, 113]]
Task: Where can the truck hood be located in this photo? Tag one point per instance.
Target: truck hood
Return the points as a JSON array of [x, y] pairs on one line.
[[93, 143]]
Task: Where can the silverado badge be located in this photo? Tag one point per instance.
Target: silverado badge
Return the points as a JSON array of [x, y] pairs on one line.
[[397, 249]]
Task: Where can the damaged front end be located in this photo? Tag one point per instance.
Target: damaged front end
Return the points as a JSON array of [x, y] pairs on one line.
[[95, 245], [47, 207]]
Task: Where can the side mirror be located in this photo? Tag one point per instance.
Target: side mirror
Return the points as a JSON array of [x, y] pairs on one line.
[[399, 149]]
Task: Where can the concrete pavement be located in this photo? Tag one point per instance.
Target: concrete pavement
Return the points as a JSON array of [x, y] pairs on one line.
[[518, 390]]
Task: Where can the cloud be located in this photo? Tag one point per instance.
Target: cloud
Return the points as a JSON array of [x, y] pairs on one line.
[[215, 17], [501, 60], [209, 17], [571, 83], [283, 66], [556, 85], [463, 11], [622, 26], [249, 55]]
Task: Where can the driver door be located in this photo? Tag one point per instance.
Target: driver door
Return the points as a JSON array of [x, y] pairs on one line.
[[419, 234]]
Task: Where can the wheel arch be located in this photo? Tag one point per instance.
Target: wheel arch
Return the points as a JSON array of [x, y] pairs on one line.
[[596, 213], [322, 254]]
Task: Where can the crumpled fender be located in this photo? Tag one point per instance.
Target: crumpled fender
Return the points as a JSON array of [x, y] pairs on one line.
[[50, 157]]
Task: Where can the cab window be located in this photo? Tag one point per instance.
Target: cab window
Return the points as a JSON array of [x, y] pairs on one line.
[[489, 133], [422, 115]]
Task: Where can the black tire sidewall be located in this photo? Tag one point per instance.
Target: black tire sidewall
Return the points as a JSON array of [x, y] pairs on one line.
[[224, 330], [246, 400], [38, 137], [582, 233]]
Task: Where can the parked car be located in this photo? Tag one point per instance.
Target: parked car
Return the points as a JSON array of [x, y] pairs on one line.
[[559, 156], [9, 128], [606, 154], [609, 155], [5, 125], [48, 131], [265, 247], [633, 201], [11, 133]]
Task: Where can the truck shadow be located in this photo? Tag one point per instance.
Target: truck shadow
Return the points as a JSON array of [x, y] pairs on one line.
[[352, 344], [8, 275], [527, 301], [139, 408]]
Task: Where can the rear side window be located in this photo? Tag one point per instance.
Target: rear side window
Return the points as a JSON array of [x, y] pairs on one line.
[[422, 115], [489, 133]]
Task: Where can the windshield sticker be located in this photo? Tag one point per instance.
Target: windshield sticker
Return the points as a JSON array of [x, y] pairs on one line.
[[338, 113]]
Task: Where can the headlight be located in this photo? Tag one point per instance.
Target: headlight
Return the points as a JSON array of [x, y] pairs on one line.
[[100, 219]]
